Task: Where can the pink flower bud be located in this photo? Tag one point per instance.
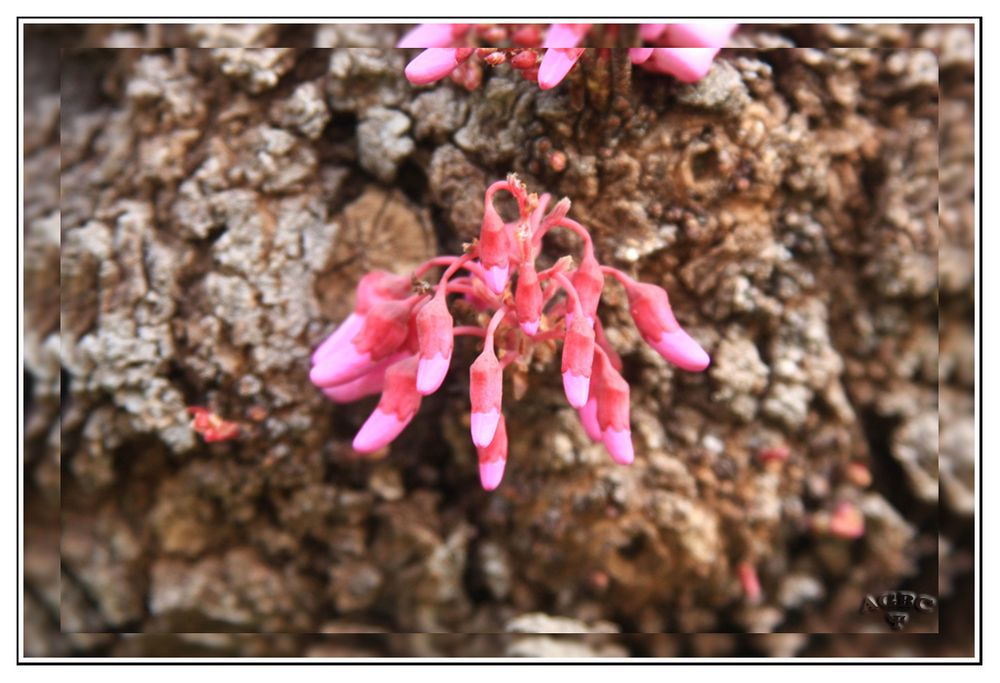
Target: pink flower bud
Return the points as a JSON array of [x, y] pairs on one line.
[[374, 287], [432, 35], [712, 34], [577, 361], [686, 64], [650, 308], [368, 384], [528, 298], [384, 331], [613, 414], [565, 35], [342, 335], [493, 458], [485, 394], [434, 331], [399, 403], [556, 63], [589, 283], [435, 63], [493, 249]]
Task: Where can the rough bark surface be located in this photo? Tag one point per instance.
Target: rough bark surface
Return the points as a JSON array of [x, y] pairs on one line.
[[196, 220]]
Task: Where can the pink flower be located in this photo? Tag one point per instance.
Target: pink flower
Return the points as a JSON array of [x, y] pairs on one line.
[[686, 64], [650, 308], [385, 329], [493, 246], [612, 394], [435, 63], [400, 338], [528, 299], [434, 330], [433, 35], [589, 283], [399, 403], [368, 384], [493, 458], [373, 288], [556, 64], [577, 360], [485, 394]]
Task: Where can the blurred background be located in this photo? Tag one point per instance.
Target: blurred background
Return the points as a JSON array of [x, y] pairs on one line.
[[199, 208]]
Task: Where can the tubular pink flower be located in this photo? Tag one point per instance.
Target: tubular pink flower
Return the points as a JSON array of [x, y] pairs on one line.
[[493, 244], [342, 335], [709, 34], [374, 287], [589, 283], [556, 63], [565, 35], [435, 63], [385, 329], [493, 458], [436, 341], [613, 413], [528, 299], [485, 394], [577, 361], [432, 35], [650, 309], [686, 64], [399, 403], [368, 384]]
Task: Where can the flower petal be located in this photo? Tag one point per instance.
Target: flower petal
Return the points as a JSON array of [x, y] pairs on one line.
[[577, 388], [682, 350], [619, 444], [431, 373], [378, 431], [484, 427]]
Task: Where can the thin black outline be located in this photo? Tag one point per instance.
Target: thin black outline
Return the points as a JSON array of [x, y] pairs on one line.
[[21, 20]]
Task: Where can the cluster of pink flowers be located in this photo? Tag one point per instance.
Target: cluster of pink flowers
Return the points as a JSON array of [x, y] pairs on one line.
[[400, 338], [684, 51]]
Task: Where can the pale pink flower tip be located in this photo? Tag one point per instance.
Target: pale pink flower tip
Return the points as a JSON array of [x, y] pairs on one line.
[[530, 327], [682, 350], [431, 373], [496, 278], [711, 34], [491, 473], [577, 388], [638, 55], [344, 333], [556, 63], [565, 35], [619, 444], [687, 64], [484, 427], [431, 65], [378, 431], [340, 367], [428, 35]]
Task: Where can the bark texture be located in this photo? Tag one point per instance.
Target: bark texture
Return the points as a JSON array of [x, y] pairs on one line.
[[196, 219]]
